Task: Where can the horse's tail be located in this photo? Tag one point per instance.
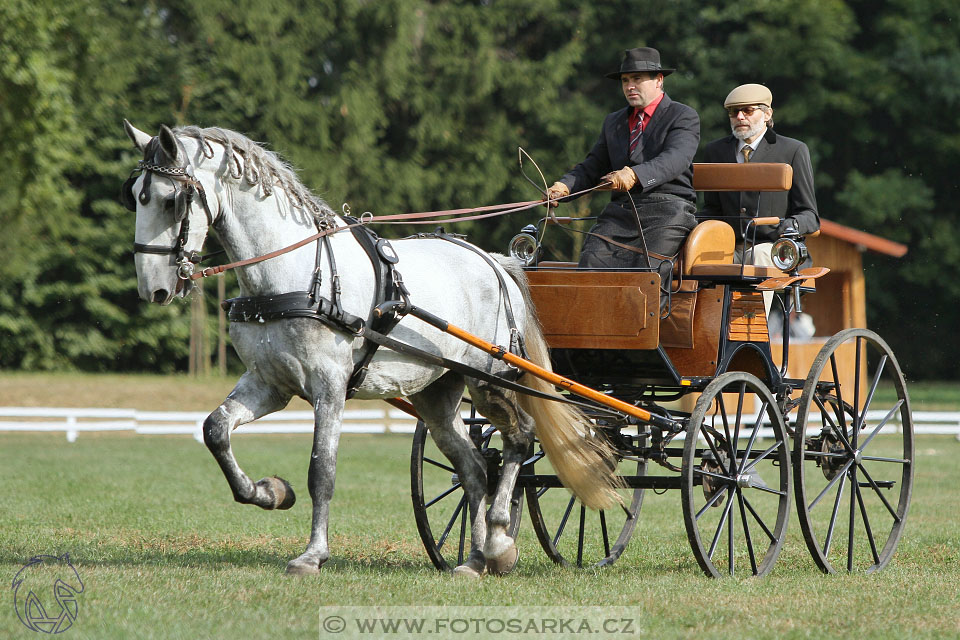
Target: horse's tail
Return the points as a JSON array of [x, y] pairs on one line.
[[584, 462]]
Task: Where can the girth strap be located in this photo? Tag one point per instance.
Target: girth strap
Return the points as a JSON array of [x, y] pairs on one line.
[[296, 304]]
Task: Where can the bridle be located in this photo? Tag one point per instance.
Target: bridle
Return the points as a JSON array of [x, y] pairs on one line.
[[186, 188]]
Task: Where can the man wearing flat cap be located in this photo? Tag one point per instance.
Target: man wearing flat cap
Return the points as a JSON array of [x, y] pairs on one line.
[[752, 139], [644, 155]]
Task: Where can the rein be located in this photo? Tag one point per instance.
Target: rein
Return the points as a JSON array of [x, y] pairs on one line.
[[187, 260], [368, 218]]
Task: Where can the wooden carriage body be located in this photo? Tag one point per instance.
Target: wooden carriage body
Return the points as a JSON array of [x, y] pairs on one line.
[[599, 323]]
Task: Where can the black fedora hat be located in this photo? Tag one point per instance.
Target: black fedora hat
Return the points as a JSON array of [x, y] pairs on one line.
[[640, 59]]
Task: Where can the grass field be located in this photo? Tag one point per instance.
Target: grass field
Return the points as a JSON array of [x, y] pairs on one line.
[[182, 393], [164, 552]]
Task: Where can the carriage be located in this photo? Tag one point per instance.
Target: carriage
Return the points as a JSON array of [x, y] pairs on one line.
[[690, 400], [734, 433]]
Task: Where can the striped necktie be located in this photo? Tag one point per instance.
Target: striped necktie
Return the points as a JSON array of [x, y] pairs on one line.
[[746, 151], [635, 132]]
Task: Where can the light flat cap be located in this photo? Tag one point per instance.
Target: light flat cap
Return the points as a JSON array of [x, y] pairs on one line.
[[748, 94]]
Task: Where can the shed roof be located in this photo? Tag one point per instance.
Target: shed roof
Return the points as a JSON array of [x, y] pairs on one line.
[[862, 239]]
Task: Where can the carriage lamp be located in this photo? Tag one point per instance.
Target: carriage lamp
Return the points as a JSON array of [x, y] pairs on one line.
[[524, 246], [788, 253]]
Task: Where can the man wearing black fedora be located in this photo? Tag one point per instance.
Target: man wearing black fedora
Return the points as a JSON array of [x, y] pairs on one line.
[[645, 156]]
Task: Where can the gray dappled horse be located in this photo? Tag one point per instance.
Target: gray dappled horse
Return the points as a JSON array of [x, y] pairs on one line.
[[195, 180]]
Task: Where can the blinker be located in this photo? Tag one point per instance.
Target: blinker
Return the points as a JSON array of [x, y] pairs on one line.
[[126, 194]]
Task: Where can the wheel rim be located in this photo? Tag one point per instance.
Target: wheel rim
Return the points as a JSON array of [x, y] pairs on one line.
[[571, 534], [439, 505], [736, 478], [853, 478]]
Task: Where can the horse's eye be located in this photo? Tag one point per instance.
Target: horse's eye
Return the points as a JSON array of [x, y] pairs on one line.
[[170, 204]]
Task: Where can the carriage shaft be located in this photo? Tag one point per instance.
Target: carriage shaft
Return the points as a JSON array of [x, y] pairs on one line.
[[544, 374], [630, 482]]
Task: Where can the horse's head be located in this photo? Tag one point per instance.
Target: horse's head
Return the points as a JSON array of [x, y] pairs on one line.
[[170, 231]]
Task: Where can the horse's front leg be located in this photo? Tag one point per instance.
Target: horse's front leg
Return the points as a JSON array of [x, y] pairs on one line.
[[328, 417], [249, 400]]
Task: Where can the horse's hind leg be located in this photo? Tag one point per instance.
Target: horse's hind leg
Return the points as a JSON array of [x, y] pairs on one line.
[[516, 430], [249, 400], [439, 407]]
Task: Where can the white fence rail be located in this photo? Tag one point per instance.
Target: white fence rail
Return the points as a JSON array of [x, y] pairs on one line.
[[74, 421], [387, 420]]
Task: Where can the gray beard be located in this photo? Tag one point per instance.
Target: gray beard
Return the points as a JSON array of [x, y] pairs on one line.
[[750, 133]]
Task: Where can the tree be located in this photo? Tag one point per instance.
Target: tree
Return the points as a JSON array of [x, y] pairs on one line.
[[396, 106]]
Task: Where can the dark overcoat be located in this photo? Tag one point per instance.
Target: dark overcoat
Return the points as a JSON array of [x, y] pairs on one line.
[[663, 195], [663, 160]]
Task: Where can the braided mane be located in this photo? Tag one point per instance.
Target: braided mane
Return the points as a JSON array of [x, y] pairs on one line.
[[261, 167]]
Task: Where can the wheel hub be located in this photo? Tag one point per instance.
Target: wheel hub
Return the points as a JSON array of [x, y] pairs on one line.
[[832, 465], [711, 485]]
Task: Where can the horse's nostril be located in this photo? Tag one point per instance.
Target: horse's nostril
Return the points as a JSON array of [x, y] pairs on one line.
[[160, 295]]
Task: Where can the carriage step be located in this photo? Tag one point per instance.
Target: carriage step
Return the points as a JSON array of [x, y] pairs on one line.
[[883, 484]]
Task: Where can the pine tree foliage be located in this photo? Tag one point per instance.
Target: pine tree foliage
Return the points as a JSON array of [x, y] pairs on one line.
[[408, 105]]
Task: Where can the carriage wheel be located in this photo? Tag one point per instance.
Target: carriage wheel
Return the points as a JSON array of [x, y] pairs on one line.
[[853, 467], [439, 497], [736, 477], [571, 534]]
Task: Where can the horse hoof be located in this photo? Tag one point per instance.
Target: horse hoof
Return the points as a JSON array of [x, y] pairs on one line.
[[298, 567], [280, 491], [466, 571], [505, 562]]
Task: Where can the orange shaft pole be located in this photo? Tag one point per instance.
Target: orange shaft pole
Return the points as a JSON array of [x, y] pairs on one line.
[[404, 406], [549, 376]]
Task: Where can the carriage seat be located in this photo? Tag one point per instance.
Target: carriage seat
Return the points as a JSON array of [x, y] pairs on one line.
[[708, 251], [709, 248], [730, 176]]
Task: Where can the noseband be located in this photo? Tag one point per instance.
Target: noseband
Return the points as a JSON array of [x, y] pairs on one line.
[[183, 199]]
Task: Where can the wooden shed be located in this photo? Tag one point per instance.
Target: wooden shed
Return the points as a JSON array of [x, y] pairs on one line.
[[840, 300]]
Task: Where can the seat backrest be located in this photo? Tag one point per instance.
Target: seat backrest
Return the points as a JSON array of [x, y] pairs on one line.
[[710, 242], [748, 176]]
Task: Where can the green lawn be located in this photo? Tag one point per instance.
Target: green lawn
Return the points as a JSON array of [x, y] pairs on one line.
[[183, 393], [164, 551]]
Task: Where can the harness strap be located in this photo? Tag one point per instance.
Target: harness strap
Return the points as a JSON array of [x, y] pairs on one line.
[[383, 281], [295, 304], [516, 340], [334, 280], [317, 271]]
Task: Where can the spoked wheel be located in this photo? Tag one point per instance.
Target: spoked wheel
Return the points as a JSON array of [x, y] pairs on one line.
[[736, 477], [439, 504], [570, 533], [853, 467]]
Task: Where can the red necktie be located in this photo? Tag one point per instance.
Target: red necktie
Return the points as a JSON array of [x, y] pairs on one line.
[[635, 132]]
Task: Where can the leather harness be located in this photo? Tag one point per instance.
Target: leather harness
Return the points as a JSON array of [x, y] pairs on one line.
[[391, 299]]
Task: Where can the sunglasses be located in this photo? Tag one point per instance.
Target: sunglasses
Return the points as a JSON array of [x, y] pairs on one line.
[[747, 111]]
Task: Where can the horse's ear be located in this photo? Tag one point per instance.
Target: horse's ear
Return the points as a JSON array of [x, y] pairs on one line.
[[140, 138], [168, 142]]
